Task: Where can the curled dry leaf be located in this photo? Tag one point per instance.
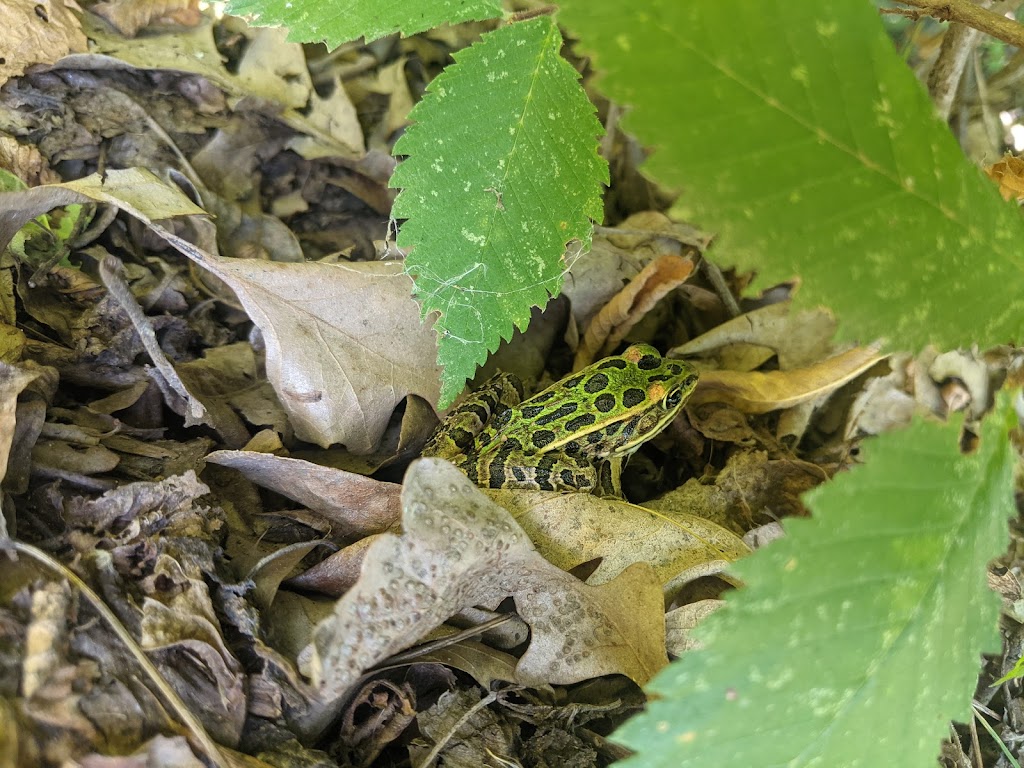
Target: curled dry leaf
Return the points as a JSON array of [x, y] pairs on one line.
[[459, 549], [26, 162], [12, 380], [353, 505], [756, 392], [629, 306]]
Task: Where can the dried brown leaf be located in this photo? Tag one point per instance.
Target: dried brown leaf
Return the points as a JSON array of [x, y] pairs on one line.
[[459, 549], [335, 575], [353, 505], [1008, 173], [796, 339]]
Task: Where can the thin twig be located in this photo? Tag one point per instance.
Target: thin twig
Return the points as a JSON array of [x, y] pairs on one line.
[[532, 13], [948, 70], [982, 19], [715, 277]]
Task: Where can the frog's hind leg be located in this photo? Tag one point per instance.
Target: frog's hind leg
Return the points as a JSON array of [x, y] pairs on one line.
[[460, 427]]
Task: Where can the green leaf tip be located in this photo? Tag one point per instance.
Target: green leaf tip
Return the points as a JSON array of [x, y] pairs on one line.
[[502, 172], [339, 21], [859, 635], [798, 134]]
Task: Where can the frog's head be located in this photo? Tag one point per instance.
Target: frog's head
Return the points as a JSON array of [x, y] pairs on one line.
[[611, 407], [649, 392]]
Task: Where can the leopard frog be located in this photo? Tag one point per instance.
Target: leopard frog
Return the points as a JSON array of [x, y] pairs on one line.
[[572, 436]]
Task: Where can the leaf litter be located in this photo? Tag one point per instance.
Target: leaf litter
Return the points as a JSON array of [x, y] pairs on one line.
[[183, 531]]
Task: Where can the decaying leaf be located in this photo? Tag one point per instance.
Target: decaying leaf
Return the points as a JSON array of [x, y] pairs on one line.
[[13, 380], [459, 549], [344, 343], [466, 734]]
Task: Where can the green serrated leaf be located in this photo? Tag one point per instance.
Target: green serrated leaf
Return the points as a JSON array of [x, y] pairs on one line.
[[343, 20], [795, 130], [503, 171], [859, 635]]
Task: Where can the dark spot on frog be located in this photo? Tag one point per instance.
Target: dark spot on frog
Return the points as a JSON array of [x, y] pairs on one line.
[[633, 397], [560, 412], [498, 422], [584, 420], [604, 402], [596, 383], [532, 411], [542, 438], [648, 362], [615, 362]]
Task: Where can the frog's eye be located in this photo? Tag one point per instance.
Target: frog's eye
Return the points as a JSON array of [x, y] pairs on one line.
[[673, 398]]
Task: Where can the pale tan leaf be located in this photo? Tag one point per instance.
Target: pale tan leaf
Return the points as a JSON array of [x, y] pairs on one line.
[[610, 326], [459, 549], [344, 342], [574, 528], [275, 69], [797, 340], [757, 392], [37, 32]]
